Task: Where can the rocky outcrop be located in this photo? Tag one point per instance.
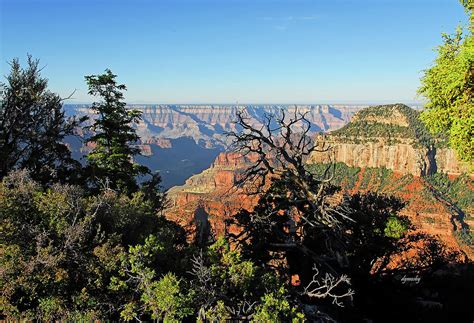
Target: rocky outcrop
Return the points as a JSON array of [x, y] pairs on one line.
[[391, 137], [160, 142], [389, 161], [145, 150], [213, 191]]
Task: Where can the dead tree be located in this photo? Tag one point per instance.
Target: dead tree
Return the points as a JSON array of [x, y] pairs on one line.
[[281, 145], [294, 216]]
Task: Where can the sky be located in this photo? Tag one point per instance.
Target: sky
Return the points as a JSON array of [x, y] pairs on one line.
[[228, 51]]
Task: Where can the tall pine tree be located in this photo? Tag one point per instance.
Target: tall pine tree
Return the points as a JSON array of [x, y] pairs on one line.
[[111, 161]]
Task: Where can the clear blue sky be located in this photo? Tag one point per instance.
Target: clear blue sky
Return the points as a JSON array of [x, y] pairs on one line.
[[196, 51]]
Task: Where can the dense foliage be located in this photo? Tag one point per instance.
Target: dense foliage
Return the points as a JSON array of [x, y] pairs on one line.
[[66, 255], [61, 248], [448, 85]]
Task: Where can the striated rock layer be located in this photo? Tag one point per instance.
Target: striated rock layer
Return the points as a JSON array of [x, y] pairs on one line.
[[401, 157], [207, 124], [394, 160], [182, 140], [391, 137], [211, 192]]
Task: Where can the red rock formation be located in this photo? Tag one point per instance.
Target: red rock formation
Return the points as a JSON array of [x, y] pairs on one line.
[[214, 190], [426, 213]]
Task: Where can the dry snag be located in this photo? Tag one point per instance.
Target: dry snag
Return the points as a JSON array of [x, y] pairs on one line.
[[280, 146]]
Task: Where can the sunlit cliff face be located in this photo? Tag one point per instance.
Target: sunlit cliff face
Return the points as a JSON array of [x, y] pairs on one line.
[[392, 166], [207, 124]]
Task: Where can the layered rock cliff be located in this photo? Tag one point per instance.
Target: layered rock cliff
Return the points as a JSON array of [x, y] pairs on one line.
[[211, 193], [207, 124], [182, 140], [378, 151], [392, 137]]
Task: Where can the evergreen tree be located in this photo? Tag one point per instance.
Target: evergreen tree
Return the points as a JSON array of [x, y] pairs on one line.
[[33, 127], [111, 160]]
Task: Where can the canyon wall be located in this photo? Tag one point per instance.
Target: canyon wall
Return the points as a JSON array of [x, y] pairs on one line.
[[390, 137], [390, 162], [207, 124], [182, 140], [211, 193], [403, 157]]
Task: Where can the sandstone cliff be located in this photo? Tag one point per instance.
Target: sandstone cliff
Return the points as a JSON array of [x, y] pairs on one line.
[[387, 159], [211, 193], [391, 137]]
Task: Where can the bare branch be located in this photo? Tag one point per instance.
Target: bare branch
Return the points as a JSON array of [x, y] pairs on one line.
[[282, 150], [328, 286], [69, 96]]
